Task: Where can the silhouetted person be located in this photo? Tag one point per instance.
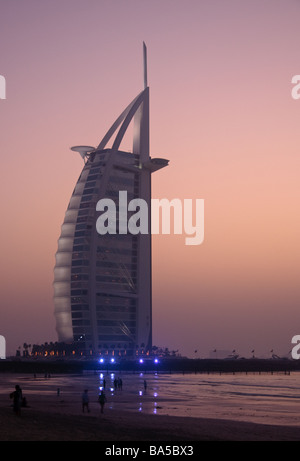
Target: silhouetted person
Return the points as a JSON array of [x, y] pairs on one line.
[[102, 400], [85, 401], [17, 399]]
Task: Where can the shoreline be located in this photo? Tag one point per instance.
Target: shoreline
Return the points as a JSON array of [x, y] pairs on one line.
[[59, 417], [119, 426], [49, 418]]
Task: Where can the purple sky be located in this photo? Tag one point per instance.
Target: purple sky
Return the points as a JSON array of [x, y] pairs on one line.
[[221, 111]]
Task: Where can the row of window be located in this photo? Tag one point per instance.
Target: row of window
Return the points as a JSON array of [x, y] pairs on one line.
[[83, 212], [108, 316], [80, 277], [79, 241], [102, 259], [92, 176], [109, 278], [80, 262], [83, 226], [78, 300], [77, 248], [105, 309], [115, 265], [86, 198], [83, 233], [117, 272], [122, 251], [108, 333], [109, 338], [84, 205], [79, 307], [115, 193], [84, 219], [108, 298], [112, 239], [125, 317], [105, 265], [115, 308], [114, 279], [117, 287], [79, 284], [106, 340], [90, 188], [122, 181], [78, 319], [112, 330], [115, 323], [79, 270], [82, 323], [95, 166], [79, 292]]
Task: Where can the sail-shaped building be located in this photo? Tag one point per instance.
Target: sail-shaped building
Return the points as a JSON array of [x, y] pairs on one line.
[[102, 283]]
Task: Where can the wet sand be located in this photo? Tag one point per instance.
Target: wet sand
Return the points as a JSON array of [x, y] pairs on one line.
[[51, 418]]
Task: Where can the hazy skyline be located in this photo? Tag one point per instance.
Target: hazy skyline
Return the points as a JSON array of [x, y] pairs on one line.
[[220, 110]]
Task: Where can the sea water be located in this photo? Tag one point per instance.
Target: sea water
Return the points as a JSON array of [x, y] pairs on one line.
[[269, 398]]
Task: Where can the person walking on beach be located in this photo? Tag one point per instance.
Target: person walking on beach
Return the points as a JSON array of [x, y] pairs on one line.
[[17, 400], [102, 400], [85, 401]]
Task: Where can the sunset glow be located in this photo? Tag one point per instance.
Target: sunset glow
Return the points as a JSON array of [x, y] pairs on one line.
[[221, 111]]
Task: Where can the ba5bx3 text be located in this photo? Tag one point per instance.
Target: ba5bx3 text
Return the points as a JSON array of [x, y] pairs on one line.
[[171, 450]]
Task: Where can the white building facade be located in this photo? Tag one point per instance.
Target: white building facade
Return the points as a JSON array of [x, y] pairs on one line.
[[102, 283]]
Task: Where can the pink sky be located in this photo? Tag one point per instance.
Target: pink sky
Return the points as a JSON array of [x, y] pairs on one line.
[[221, 111]]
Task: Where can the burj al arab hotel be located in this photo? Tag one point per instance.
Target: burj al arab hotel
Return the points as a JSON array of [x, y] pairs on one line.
[[102, 283]]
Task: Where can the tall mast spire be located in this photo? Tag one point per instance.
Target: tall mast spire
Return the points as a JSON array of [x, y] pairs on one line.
[[138, 110], [145, 65]]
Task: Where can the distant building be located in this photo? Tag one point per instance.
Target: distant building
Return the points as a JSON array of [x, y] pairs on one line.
[[102, 283]]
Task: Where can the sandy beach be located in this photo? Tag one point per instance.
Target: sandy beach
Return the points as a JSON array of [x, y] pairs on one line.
[[52, 418]]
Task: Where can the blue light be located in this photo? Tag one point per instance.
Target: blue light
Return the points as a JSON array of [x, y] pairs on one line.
[[112, 360], [101, 360], [141, 361], [155, 360]]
